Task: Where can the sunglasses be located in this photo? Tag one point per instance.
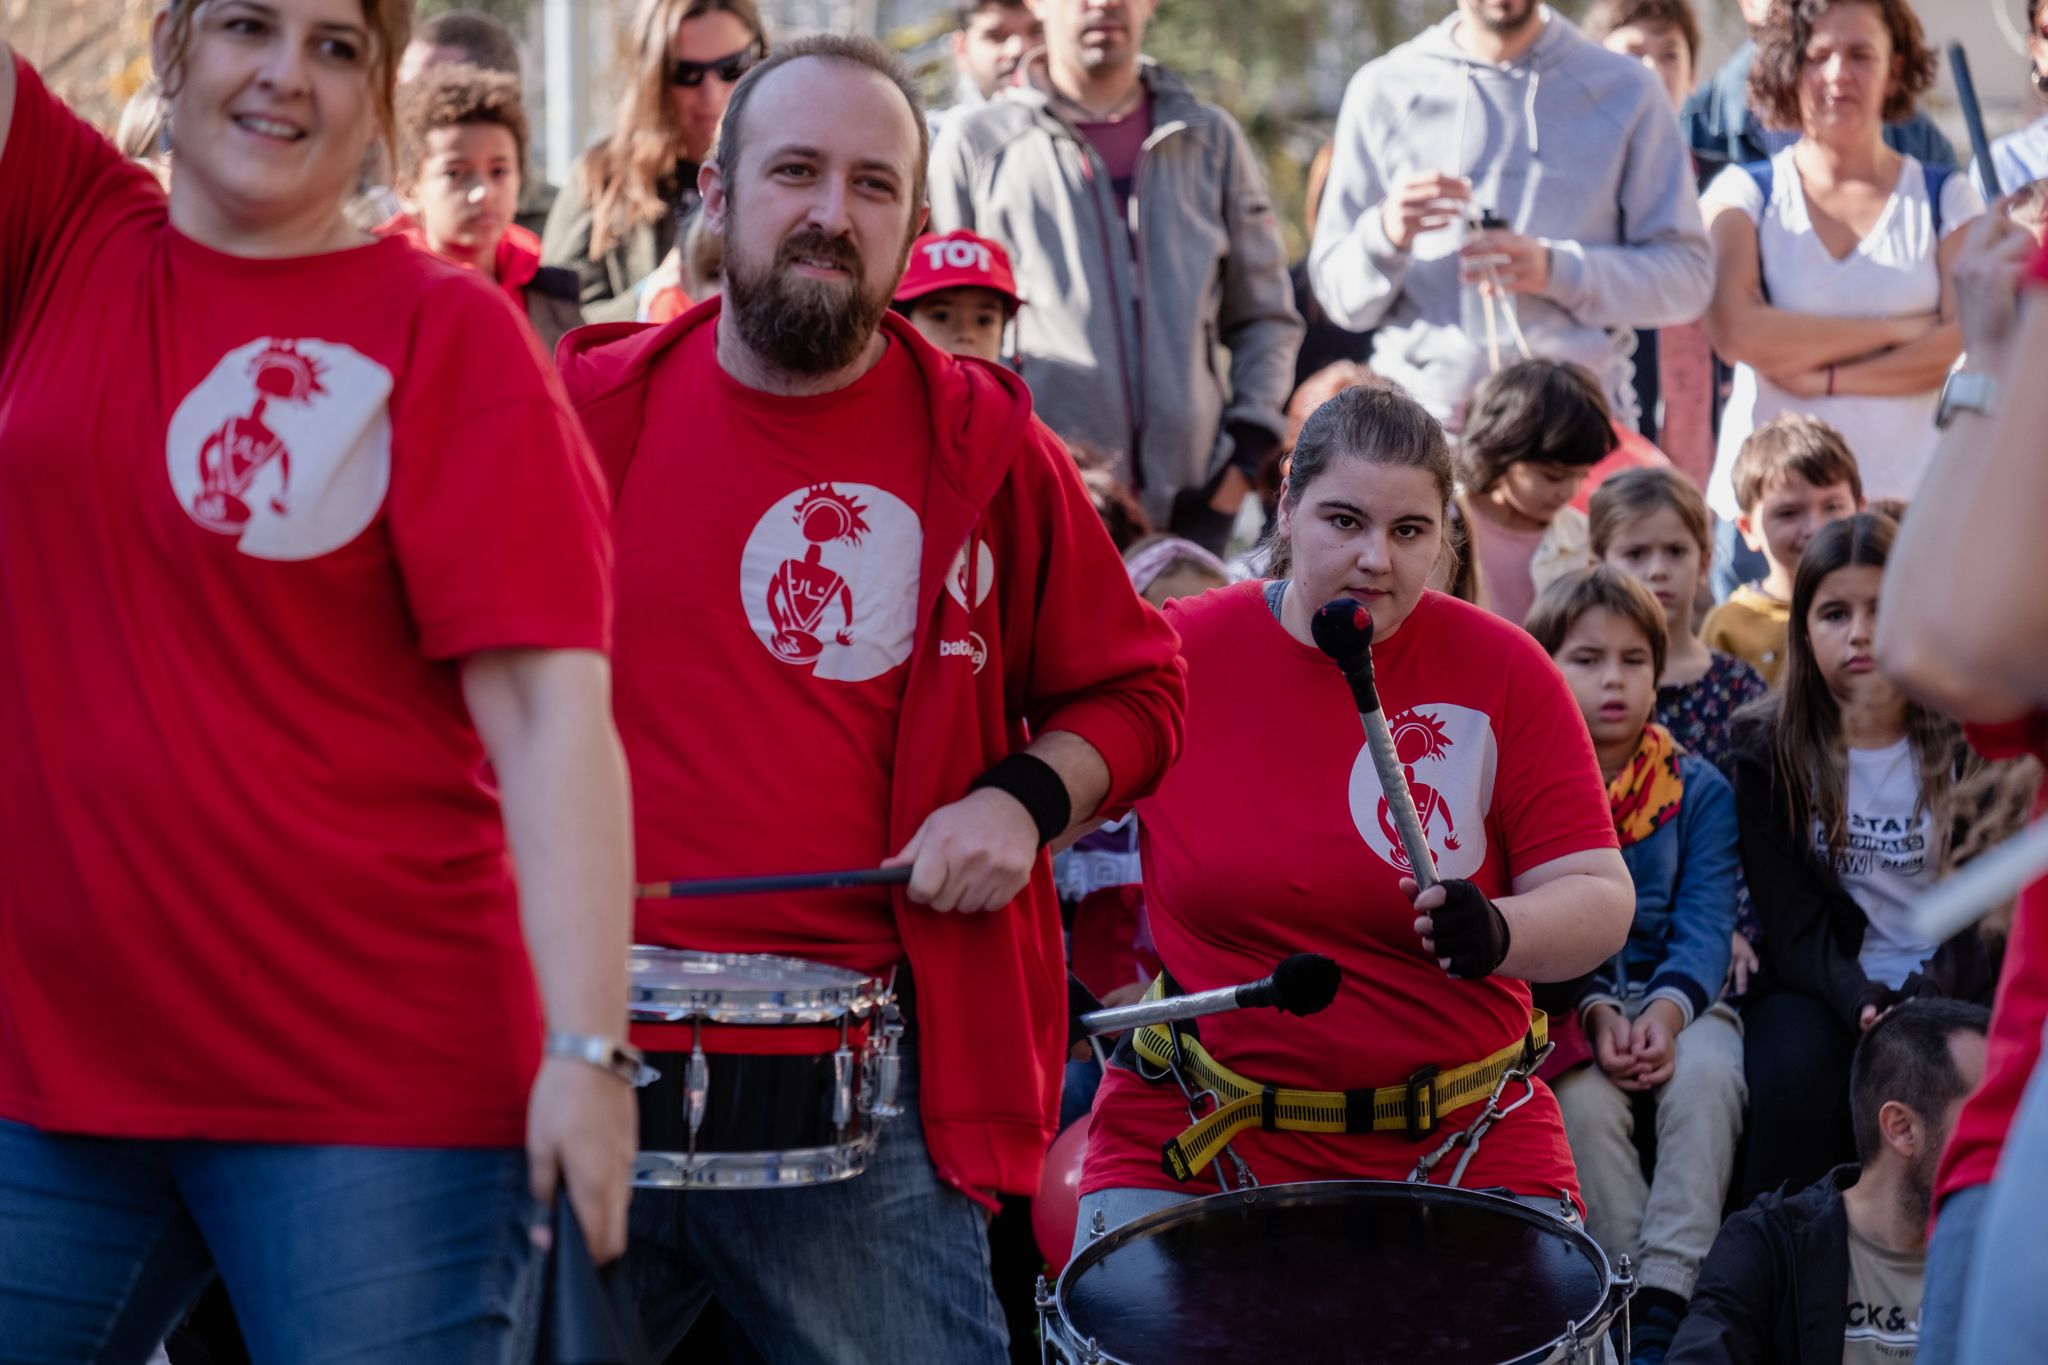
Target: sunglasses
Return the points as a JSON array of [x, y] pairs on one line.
[[729, 69]]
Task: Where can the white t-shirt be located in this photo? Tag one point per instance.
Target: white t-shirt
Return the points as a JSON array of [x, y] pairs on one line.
[[1887, 858], [1892, 272]]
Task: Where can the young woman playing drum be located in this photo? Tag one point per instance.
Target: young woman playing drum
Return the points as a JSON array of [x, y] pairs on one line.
[[1271, 837], [296, 532]]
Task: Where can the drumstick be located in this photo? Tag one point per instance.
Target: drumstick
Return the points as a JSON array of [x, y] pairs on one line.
[[779, 881], [1961, 899], [1343, 630], [1973, 119]]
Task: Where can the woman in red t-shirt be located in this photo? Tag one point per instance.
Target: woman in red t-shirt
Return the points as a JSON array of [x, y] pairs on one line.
[[303, 606], [1270, 836]]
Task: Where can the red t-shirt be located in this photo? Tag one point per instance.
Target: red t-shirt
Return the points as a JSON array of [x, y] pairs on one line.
[[767, 581], [1270, 837], [2020, 1009], [253, 512]]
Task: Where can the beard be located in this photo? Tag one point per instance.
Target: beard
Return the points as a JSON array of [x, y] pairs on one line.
[[1509, 20], [803, 326]]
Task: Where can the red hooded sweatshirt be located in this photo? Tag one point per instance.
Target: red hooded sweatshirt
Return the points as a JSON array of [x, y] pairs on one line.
[[1070, 647]]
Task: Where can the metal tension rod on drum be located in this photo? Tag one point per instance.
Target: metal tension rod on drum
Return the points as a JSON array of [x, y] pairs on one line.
[[781, 881], [1343, 631]]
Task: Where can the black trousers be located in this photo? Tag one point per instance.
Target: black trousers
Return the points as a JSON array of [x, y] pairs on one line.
[[1796, 1053]]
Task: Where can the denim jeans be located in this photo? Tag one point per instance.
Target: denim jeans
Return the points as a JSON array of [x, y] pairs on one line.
[[1950, 1256], [889, 1265], [330, 1254], [2005, 1313]]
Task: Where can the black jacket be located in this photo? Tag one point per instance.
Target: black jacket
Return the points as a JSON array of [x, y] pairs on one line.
[[1812, 927], [1775, 1287]]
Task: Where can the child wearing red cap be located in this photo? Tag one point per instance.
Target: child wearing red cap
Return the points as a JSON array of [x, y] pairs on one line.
[[959, 294]]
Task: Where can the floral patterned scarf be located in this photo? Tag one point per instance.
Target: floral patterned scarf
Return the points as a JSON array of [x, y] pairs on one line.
[[1645, 795]]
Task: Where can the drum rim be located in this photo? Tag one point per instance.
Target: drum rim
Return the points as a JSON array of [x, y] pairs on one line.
[[856, 993], [741, 1170], [1613, 1293]]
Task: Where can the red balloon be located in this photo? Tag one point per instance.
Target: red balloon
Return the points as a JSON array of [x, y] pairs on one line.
[[1058, 1206]]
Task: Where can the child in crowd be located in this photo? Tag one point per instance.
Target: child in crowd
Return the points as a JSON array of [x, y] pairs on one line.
[[2028, 207], [1649, 1013], [1653, 523], [1792, 476], [1852, 801], [461, 134], [1533, 430], [959, 292]]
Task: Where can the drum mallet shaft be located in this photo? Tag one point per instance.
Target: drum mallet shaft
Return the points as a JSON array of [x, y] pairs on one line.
[[1973, 120], [1343, 630], [782, 881]]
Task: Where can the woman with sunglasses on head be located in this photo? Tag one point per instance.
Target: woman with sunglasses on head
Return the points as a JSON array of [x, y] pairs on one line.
[[620, 214], [303, 612]]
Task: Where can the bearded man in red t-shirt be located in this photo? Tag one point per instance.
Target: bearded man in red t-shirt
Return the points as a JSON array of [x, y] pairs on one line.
[[867, 614]]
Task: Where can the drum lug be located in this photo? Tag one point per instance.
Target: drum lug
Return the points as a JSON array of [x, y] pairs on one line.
[[1091, 1354], [696, 1085], [888, 1067], [1098, 1226], [842, 1087]]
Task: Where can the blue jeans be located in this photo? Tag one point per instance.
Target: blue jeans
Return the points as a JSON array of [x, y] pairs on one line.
[[1734, 562], [889, 1265], [330, 1254], [2005, 1314], [1950, 1256]]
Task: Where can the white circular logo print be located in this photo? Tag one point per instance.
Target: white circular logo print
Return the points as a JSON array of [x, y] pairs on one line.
[[285, 446], [1447, 753], [829, 580]]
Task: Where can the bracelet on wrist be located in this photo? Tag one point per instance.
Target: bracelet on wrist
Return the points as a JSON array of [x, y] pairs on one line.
[[609, 1055], [1037, 788]]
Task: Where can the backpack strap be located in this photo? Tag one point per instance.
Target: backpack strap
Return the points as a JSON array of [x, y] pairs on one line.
[[1936, 177], [1760, 171]]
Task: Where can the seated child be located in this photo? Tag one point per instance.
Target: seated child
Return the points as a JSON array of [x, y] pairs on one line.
[[1532, 432], [1650, 1012], [461, 134], [1793, 476], [959, 293]]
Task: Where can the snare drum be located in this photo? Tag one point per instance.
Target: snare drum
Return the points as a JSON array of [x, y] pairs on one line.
[[1363, 1272], [767, 1070]]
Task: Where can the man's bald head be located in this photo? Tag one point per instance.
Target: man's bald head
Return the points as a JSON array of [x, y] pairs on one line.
[[832, 47]]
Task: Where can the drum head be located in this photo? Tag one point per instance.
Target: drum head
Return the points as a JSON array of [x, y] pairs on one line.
[[745, 988], [1358, 1272]]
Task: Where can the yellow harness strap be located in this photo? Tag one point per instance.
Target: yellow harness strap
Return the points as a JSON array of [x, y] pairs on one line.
[[1415, 1108]]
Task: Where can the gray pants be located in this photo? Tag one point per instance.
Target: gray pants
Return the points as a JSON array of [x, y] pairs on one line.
[[1664, 1224]]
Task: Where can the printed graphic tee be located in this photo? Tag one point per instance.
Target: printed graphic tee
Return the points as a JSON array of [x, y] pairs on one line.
[[1882, 1325], [1886, 862], [253, 514], [768, 573], [1271, 837]]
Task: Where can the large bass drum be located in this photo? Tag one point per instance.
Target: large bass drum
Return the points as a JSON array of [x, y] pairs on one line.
[[1342, 1272]]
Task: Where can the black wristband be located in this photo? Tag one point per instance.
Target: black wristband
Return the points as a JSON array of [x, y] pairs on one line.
[[1037, 788]]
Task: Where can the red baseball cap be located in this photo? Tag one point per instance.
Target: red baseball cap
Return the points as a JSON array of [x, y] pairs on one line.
[[958, 259]]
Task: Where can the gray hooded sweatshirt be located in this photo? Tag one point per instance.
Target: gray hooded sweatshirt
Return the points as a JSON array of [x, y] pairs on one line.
[[1122, 322], [1570, 144]]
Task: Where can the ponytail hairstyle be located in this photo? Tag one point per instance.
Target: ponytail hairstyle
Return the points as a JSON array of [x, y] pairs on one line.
[[1376, 422], [1805, 721]]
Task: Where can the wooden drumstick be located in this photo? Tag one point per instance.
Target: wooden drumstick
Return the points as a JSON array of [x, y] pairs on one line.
[[1343, 630], [781, 881]]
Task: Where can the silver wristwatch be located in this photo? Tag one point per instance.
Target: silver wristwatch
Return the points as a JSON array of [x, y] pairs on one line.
[[606, 1054], [1966, 391]]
